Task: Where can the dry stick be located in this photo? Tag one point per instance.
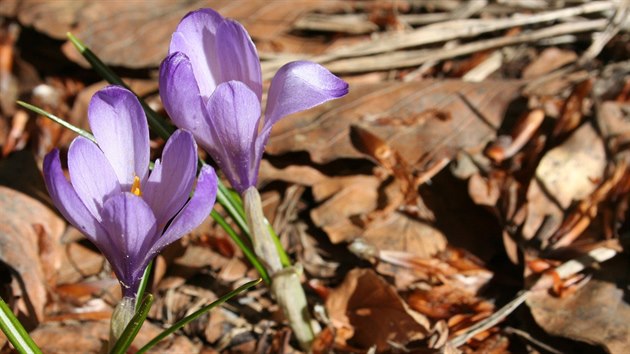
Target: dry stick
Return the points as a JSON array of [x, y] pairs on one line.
[[593, 51], [467, 9], [417, 57], [564, 271], [458, 29], [601, 39], [351, 23], [442, 32], [528, 337], [485, 68]]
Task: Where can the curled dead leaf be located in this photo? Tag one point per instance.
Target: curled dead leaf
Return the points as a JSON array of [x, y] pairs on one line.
[[372, 313]]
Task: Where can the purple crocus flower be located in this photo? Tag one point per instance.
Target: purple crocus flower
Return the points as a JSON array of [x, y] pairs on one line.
[[115, 201], [211, 84]]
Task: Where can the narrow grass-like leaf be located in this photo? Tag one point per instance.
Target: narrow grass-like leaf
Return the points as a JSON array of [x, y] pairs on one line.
[[181, 323], [227, 200], [143, 282], [249, 254], [237, 205], [132, 329], [157, 122], [15, 332], [284, 258], [54, 118]]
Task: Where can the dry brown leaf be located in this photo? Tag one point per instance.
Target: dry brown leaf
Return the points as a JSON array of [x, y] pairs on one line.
[[483, 191], [596, 314], [302, 175], [569, 172], [445, 301], [91, 337], [353, 196], [366, 311], [78, 262], [475, 111], [549, 60], [400, 232], [29, 234], [543, 215], [136, 34], [524, 129], [613, 119], [313, 257], [572, 111], [456, 267]]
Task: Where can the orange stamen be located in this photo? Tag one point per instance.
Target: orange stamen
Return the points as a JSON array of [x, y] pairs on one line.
[[135, 187]]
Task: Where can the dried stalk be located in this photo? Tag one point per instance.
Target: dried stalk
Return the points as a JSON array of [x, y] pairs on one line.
[[445, 31], [410, 58]]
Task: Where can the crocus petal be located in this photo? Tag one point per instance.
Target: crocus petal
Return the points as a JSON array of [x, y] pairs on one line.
[[194, 213], [92, 176], [238, 57], [234, 112], [120, 128], [67, 200], [72, 208], [195, 37], [171, 180], [297, 86], [129, 223], [181, 97]]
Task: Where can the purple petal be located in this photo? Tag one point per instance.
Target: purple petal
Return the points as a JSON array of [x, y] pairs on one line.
[[130, 223], [120, 128], [194, 213], [235, 112], [238, 57], [196, 37], [181, 98], [67, 201], [298, 86], [71, 207], [171, 180], [93, 178]]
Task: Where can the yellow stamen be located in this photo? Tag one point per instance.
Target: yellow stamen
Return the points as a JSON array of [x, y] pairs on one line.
[[135, 188]]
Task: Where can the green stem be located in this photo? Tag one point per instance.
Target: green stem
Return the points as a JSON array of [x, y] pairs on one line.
[[284, 258], [62, 122], [133, 327], [157, 122], [144, 281], [245, 248], [15, 332], [228, 202]]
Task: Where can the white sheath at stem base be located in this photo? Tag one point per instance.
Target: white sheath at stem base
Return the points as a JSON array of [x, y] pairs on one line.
[[121, 316], [285, 282]]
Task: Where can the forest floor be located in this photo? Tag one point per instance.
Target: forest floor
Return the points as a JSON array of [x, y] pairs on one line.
[[470, 194]]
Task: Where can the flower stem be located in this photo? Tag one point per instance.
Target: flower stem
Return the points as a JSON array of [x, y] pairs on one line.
[[121, 316], [285, 282]]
